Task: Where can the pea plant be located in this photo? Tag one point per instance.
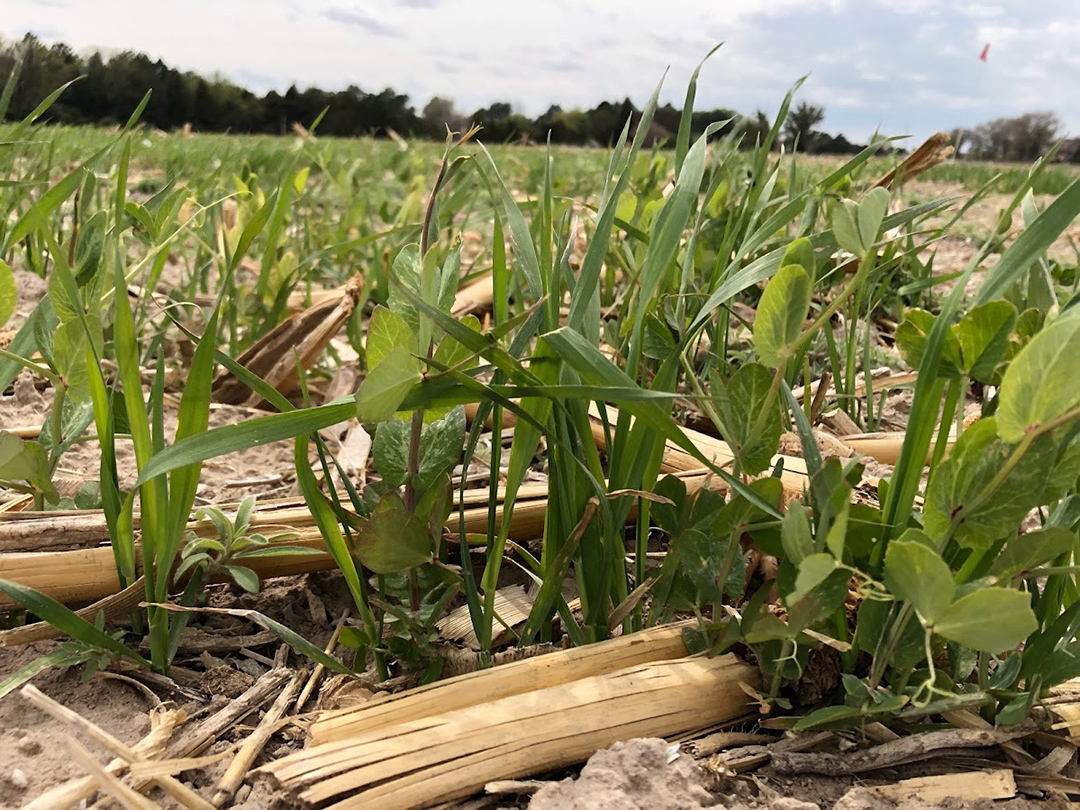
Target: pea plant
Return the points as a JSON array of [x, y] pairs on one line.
[[961, 603]]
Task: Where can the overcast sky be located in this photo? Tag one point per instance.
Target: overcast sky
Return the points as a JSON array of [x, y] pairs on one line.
[[901, 66]]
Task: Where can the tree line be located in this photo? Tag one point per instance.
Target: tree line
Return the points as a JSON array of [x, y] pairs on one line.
[[110, 87]]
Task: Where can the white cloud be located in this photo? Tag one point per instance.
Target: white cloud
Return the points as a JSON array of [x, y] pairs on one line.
[[903, 65]]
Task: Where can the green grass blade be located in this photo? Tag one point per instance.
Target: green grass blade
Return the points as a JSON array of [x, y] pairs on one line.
[[1031, 244], [253, 433], [66, 621]]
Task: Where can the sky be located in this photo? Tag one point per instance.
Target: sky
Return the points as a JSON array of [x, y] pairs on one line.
[[901, 67]]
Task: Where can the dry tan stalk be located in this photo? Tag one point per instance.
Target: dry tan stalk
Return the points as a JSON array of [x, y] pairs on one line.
[[934, 150], [195, 740], [884, 447], [151, 769], [40, 531], [124, 795], [89, 574], [241, 764], [28, 432], [319, 669], [463, 691], [963, 718], [914, 748], [453, 754], [512, 607], [110, 743], [475, 297], [273, 356], [969, 787], [676, 460], [712, 743]]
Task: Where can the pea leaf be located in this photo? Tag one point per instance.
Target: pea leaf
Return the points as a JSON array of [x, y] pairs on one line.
[[1041, 383], [15, 463], [795, 534], [390, 451], [406, 269], [392, 540], [1031, 550], [385, 387], [800, 252], [386, 331], [911, 337], [915, 573], [957, 483], [845, 227], [739, 402], [988, 620], [781, 313], [872, 210]]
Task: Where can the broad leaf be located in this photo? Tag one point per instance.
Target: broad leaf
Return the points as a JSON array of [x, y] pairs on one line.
[[781, 313], [390, 451], [440, 448], [958, 489], [911, 337], [387, 331], [915, 573], [384, 388], [988, 620], [983, 336], [1041, 383], [740, 402], [392, 540]]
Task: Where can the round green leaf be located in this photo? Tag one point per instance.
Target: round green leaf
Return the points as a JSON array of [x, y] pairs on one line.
[[386, 385], [386, 331], [781, 313], [988, 620], [1041, 383], [915, 573]]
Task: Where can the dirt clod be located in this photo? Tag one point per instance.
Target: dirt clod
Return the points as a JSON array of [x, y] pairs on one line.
[[644, 773]]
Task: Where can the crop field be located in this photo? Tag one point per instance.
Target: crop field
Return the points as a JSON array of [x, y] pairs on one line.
[[739, 442]]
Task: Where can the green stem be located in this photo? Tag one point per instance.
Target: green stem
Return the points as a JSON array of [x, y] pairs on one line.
[[942, 443]]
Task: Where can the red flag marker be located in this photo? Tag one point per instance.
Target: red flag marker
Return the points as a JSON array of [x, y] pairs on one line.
[[985, 51]]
